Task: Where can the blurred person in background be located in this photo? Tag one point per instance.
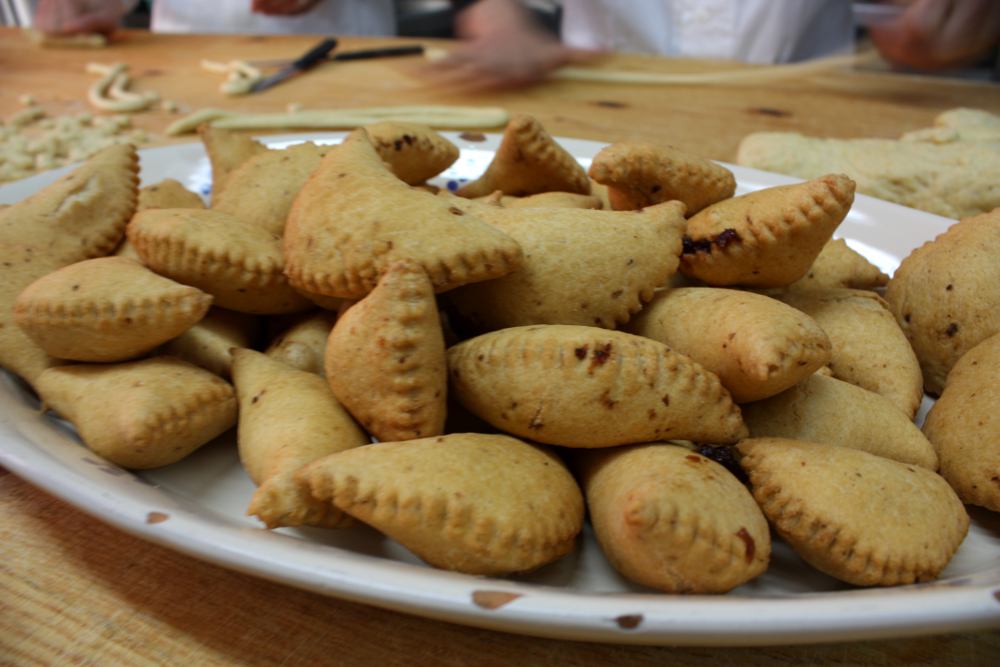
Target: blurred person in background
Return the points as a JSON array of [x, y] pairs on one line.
[[344, 17], [503, 45]]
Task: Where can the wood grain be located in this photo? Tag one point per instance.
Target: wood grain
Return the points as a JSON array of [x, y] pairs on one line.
[[76, 591]]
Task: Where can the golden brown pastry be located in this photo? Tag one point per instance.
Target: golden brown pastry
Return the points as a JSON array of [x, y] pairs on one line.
[[757, 345], [385, 358], [80, 216], [528, 161], [642, 174], [106, 309], [863, 519], [354, 218], [210, 342], [414, 152], [944, 295], [288, 418], [766, 238], [226, 150], [261, 190], [868, 347], [480, 504], [672, 519], [140, 414], [580, 267], [833, 412], [588, 387], [238, 263], [303, 343], [837, 265], [964, 426]]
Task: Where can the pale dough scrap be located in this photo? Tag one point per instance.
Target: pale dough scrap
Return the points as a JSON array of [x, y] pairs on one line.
[[954, 178]]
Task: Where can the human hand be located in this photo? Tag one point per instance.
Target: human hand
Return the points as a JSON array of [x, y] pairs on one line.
[[502, 47], [936, 34], [282, 7], [68, 17]]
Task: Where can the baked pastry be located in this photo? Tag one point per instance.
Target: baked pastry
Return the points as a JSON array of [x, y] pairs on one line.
[[964, 426], [944, 295], [580, 266], [528, 161], [385, 357], [287, 418], [868, 347], [838, 265], [586, 387], [833, 412], [168, 193], [473, 503], [641, 174], [140, 414], [354, 218], [209, 342], [261, 190], [302, 344], [672, 519], [226, 150], [414, 152], [757, 345], [766, 238], [80, 216], [864, 519], [238, 263], [106, 309]]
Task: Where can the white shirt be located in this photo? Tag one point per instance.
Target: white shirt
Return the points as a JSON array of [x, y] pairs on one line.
[[329, 17], [757, 31]]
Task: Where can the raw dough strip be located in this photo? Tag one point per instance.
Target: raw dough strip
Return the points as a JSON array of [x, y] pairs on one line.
[[749, 75], [110, 92], [433, 116], [241, 75]]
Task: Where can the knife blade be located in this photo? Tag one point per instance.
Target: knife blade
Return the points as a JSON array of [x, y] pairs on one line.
[[363, 54], [308, 60]]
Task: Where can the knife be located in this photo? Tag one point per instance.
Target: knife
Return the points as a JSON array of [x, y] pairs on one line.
[[363, 54], [308, 60]]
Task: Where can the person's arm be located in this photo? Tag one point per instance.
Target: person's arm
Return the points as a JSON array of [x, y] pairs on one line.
[[937, 34], [282, 7], [503, 45], [69, 17]]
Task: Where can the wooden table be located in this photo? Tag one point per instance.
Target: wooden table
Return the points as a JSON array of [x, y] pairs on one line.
[[75, 591]]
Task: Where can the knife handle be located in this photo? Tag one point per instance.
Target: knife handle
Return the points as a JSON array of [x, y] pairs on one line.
[[315, 54], [379, 53]]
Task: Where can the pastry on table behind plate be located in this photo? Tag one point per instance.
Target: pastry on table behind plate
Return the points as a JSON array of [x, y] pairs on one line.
[[950, 170]]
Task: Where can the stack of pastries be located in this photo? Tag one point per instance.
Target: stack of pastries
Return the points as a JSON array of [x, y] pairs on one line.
[[477, 372]]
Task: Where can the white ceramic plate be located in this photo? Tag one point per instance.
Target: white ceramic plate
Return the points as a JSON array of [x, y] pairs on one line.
[[198, 507]]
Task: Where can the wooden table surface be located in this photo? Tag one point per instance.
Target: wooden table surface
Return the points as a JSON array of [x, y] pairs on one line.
[[76, 591]]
